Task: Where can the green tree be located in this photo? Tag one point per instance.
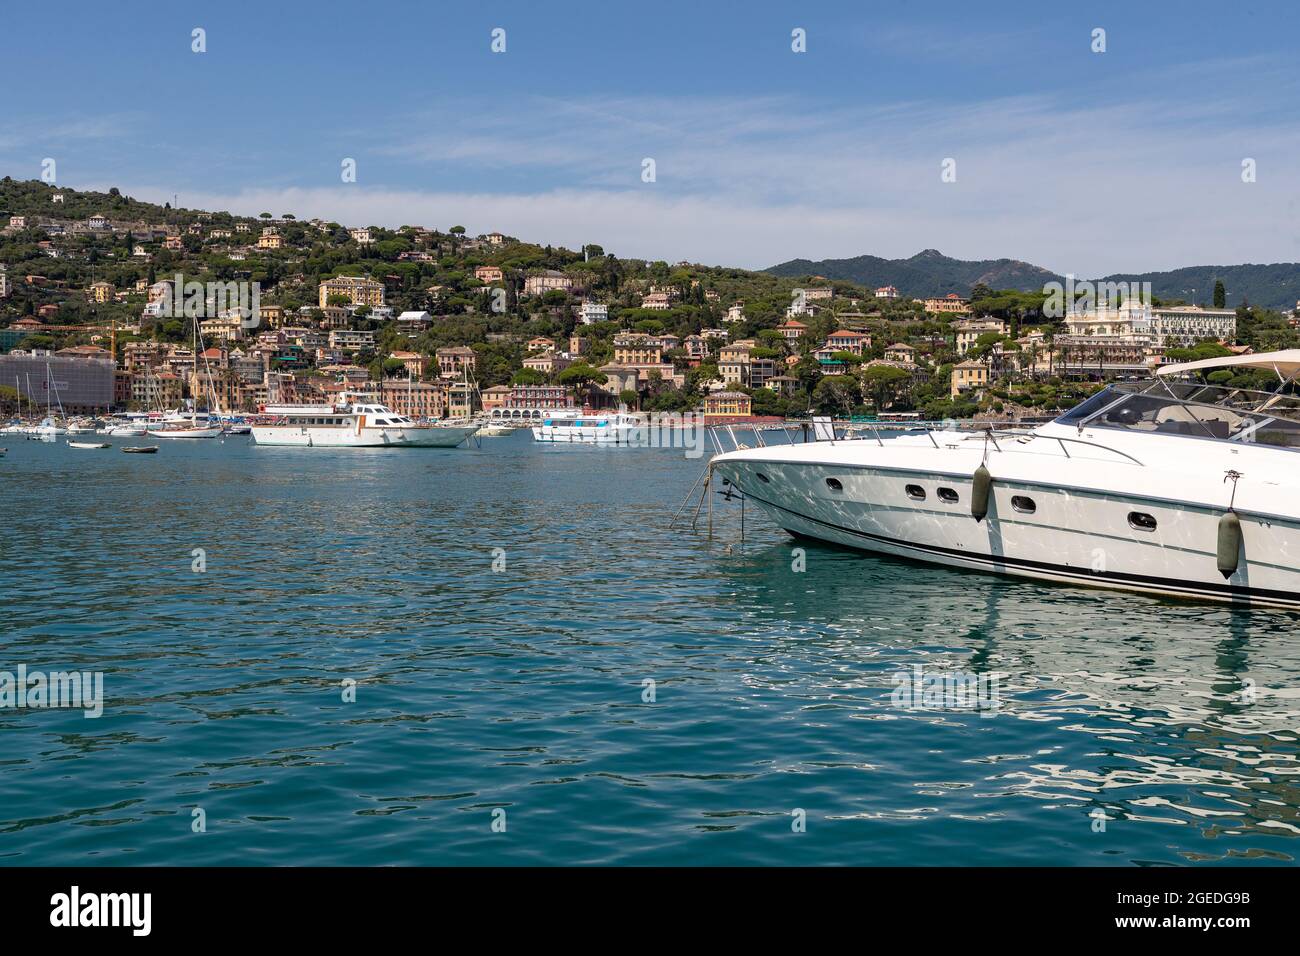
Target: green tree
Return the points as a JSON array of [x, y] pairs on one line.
[[580, 377], [1220, 294], [836, 394], [884, 383], [528, 376]]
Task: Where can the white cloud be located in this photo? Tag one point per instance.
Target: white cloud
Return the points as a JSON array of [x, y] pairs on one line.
[[1090, 187]]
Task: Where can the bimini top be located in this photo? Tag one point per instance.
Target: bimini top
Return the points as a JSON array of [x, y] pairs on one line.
[[1285, 363]]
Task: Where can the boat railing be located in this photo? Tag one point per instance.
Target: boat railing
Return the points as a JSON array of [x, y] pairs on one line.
[[734, 436], [1064, 443]]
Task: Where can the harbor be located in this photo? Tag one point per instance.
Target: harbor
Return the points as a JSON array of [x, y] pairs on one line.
[[626, 692], [632, 442]]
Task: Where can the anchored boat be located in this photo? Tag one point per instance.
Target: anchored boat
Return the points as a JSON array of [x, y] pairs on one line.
[[354, 426], [594, 428], [1164, 486]]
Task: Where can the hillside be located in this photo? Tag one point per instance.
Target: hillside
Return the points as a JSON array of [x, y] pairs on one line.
[[649, 334], [926, 274], [33, 198], [930, 273], [1273, 286]]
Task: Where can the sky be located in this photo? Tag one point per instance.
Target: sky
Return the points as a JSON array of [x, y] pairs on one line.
[[1083, 162]]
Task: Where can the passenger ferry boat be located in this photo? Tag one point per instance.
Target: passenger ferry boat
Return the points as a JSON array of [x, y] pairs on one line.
[[579, 428], [1168, 487], [353, 426]]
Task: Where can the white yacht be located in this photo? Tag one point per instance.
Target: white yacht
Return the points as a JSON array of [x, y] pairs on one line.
[[192, 425], [125, 425], [597, 428], [124, 430], [1164, 486], [494, 428], [353, 426], [49, 427]]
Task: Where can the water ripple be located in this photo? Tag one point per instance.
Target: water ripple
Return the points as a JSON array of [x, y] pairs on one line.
[[1128, 730]]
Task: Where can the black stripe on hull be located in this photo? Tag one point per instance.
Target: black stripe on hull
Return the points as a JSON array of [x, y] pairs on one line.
[[1000, 563]]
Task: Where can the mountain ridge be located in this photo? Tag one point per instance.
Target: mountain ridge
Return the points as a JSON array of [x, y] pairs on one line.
[[929, 273]]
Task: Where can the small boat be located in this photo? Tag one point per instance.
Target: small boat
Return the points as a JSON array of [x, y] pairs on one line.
[[194, 430], [602, 428], [124, 431], [49, 427], [496, 430], [88, 444], [140, 449]]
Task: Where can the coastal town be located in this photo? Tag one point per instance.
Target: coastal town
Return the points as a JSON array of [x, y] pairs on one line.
[[438, 324]]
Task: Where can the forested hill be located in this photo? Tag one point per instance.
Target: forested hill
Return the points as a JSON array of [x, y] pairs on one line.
[[930, 273], [927, 274]]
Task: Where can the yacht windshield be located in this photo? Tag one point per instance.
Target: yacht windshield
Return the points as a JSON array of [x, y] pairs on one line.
[[1199, 411]]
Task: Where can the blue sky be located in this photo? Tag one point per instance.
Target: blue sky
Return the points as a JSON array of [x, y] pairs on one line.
[[1079, 161]]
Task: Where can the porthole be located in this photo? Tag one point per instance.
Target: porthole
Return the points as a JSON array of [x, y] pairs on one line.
[[1141, 521], [1023, 505], [834, 484], [948, 496], [762, 477], [915, 492]]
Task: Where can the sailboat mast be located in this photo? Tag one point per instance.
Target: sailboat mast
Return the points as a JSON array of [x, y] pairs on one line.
[[194, 379]]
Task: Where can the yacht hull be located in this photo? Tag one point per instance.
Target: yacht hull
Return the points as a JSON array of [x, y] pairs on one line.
[[184, 433], [1083, 535], [434, 436], [570, 435]]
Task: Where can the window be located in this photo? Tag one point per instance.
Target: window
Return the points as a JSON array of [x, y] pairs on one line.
[[834, 484], [948, 496], [1141, 521], [1023, 505], [1094, 404], [762, 477], [915, 492]]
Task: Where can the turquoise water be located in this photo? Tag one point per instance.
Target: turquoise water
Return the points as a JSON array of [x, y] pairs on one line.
[[522, 688]]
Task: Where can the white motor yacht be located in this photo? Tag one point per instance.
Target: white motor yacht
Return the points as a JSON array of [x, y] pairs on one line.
[[1163, 486], [126, 430], [594, 428], [488, 428], [354, 426]]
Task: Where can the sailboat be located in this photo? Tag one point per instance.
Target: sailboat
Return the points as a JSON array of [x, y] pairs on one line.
[[50, 427], [190, 428]]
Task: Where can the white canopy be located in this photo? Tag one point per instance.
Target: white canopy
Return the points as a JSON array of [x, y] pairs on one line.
[[1285, 363]]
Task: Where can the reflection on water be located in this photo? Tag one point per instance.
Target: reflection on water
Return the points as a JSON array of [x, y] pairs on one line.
[[1130, 730], [1158, 712]]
